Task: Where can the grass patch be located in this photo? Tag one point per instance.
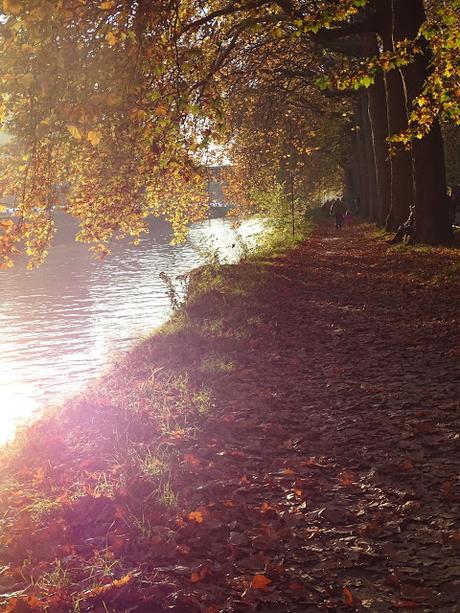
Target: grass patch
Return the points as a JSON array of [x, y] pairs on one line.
[[216, 364], [448, 275]]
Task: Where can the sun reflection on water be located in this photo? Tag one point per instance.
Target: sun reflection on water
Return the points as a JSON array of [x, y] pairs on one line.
[[61, 323], [18, 404]]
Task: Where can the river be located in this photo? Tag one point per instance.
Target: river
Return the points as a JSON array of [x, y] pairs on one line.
[[60, 323]]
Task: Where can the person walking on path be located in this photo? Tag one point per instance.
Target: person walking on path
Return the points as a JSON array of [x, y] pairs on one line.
[[338, 211]]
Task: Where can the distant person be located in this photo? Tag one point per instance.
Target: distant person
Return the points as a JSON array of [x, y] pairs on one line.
[[348, 218], [451, 203], [405, 230], [326, 207], [455, 201], [338, 212], [357, 205]]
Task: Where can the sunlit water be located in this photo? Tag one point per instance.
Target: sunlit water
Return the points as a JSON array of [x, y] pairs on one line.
[[60, 323]]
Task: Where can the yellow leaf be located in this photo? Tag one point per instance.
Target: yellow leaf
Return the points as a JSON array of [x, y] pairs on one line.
[[12, 7], [74, 131], [161, 110], [111, 38], [123, 581], [106, 6], [94, 137], [196, 516], [260, 582]]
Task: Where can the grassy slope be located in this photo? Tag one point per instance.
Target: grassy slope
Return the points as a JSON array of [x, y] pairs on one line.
[[86, 490]]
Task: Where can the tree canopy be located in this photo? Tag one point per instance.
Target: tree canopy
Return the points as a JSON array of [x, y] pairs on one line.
[[115, 106]]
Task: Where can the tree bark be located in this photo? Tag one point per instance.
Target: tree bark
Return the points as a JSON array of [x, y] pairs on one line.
[[378, 123], [361, 160], [370, 205], [432, 216], [401, 180], [379, 127]]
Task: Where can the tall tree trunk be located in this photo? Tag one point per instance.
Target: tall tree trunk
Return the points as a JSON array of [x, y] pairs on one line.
[[401, 179], [378, 123], [361, 161], [370, 206], [379, 127], [432, 216]]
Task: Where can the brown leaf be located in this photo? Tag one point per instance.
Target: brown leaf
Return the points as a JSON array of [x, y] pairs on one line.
[[260, 582], [346, 478], [406, 604]]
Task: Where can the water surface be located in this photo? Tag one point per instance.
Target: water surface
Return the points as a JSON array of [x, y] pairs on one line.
[[60, 323]]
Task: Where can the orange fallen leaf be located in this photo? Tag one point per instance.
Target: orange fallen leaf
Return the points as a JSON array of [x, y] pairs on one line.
[[117, 583], [179, 433], [199, 575], [288, 471], [24, 604], [456, 537], [407, 466], [117, 542], [348, 596], [446, 488], [191, 459], [260, 582], [295, 585], [196, 516], [406, 604], [347, 478]]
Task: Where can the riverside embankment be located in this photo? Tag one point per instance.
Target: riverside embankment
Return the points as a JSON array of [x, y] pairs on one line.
[[288, 442]]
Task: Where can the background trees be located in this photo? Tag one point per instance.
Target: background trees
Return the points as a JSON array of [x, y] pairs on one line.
[[121, 100]]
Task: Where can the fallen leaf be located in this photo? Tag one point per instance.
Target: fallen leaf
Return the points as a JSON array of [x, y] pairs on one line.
[[196, 516], [260, 582]]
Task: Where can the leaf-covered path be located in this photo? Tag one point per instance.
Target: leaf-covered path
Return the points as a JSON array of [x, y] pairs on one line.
[[324, 477], [332, 472]]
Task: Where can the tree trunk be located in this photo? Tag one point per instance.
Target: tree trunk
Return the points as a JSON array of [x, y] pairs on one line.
[[370, 206], [401, 179], [378, 122], [379, 128], [432, 216], [361, 161]]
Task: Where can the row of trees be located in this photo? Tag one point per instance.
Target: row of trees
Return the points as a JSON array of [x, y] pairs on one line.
[[122, 101], [403, 105]]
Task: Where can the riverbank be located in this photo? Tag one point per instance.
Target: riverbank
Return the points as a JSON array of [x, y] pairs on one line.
[[288, 442]]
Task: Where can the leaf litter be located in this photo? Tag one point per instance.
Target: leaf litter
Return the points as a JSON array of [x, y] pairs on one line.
[[325, 478]]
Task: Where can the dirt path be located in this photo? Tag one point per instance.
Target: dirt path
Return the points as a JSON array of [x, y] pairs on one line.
[[332, 473]]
